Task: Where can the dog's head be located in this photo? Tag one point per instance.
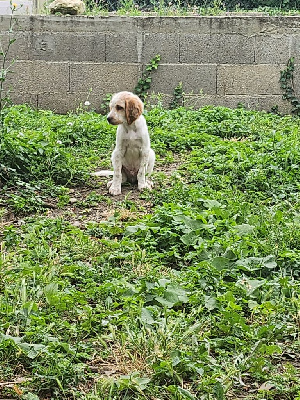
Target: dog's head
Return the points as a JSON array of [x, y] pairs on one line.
[[125, 107]]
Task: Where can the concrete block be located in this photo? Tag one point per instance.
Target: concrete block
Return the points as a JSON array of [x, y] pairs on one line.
[[62, 103], [24, 98], [154, 99], [165, 44], [248, 80], [220, 49], [272, 49], [67, 47], [121, 47], [194, 77], [4, 19], [295, 48], [63, 60], [79, 24], [103, 78], [21, 23], [259, 103], [232, 24], [19, 49], [280, 25], [35, 77], [296, 78], [173, 25]]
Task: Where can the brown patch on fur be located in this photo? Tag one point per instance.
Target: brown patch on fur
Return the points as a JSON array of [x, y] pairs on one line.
[[133, 108]]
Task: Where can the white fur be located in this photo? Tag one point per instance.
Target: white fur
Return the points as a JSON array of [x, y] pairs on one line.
[[132, 158]]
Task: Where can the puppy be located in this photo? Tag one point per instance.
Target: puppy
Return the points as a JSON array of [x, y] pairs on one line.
[[132, 158]]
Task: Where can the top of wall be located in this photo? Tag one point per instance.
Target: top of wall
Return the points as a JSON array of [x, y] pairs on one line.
[[239, 24]]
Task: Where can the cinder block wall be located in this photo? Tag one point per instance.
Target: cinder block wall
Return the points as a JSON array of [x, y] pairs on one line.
[[225, 60]]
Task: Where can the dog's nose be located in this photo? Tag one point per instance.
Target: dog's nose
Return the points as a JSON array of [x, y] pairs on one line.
[[109, 119]]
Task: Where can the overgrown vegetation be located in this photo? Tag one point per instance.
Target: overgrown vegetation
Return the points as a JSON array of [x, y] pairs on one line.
[[188, 292], [197, 7], [143, 86], [287, 85], [144, 82], [6, 64], [178, 97]]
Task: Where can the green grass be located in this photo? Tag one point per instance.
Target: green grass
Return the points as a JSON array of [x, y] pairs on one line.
[[175, 8], [188, 292]]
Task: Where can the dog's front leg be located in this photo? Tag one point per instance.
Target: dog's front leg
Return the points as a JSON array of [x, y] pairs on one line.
[[115, 185], [141, 176]]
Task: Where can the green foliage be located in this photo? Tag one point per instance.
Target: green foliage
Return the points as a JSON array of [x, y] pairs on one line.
[[128, 7], [287, 85], [198, 7], [178, 99], [196, 297], [144, 83], [5, 65], [104, 107], [40, 150]]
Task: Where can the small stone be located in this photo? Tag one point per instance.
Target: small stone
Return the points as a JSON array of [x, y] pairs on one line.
[[73, 200], [77, 224], [267, 386]]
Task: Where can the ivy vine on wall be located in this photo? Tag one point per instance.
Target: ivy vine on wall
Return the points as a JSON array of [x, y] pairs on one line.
[[287, 85]]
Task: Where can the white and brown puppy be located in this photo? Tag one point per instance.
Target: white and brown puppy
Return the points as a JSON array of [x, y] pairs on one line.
[[132, 158]]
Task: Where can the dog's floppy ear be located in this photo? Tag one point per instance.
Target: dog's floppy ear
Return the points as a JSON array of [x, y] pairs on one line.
[[133, 108]]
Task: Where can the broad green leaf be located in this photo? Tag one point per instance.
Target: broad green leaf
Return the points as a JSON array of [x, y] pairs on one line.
[[15, 339], [32, 350], [219, 391], [186, 394], [269, 262], [210, 204], [192, 224], [172, 296], [146, 317], [30, 396], [250, 285], [190, 238], [220, 263], [135, 228], [51, 293], [230, 255], [252, 304], [210, 302], [244, 229], [164, 302]]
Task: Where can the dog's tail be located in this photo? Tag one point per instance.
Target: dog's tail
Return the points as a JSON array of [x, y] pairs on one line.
[[104, 172]]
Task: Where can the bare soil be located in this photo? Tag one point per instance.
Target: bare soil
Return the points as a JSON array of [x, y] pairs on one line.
[[81, 211]]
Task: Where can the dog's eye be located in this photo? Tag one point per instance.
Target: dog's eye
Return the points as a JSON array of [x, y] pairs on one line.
[[119, 108]]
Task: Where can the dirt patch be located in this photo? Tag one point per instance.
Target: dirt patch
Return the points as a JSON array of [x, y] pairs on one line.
[[93, 204], [81, 210]]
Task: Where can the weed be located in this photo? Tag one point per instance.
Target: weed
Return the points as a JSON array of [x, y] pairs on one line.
[[129, 7], [287, 85], [178, 100], [104, 107], [5, 65], [195, 295], [144, 83], [37, 161]]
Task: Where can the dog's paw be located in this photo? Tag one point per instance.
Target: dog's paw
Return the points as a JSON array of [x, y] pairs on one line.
[[146, 186], [149, 183], [115, 190], [109, 184]]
